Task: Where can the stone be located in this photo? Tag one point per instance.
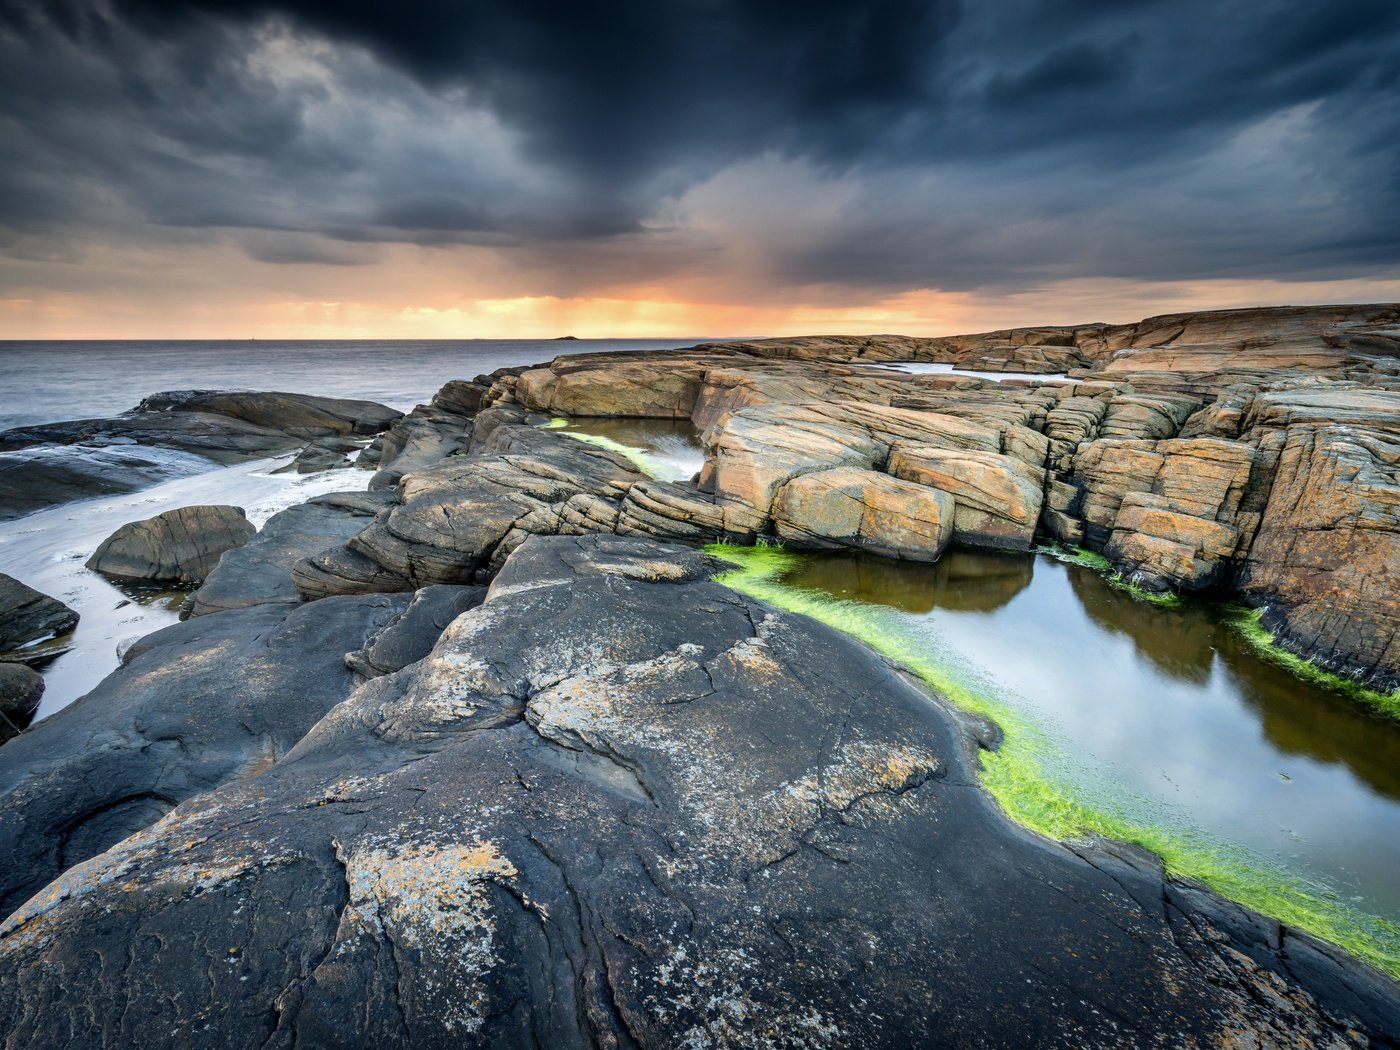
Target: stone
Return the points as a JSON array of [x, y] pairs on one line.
[[1325, 563], [21, 689], [179, 546], [28, 616], [318, 456], [864, 510], [997, 499]]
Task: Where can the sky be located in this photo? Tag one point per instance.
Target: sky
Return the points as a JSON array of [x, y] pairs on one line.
[[439, 169]]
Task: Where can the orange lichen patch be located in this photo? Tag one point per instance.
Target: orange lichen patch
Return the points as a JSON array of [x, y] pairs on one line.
[[433, 898], [753, 657], [865, 769]]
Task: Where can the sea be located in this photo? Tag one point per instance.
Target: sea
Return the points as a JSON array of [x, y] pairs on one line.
[[44, 382]]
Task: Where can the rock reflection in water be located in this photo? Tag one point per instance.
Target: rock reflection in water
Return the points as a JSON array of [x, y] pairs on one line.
[[962, 580]]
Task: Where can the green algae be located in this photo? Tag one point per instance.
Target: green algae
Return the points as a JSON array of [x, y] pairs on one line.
[[638, 457], [1250, 623], [1096, 561], [1032, 776]]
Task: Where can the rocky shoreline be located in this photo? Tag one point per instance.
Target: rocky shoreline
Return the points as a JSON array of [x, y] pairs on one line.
[[484, 754]]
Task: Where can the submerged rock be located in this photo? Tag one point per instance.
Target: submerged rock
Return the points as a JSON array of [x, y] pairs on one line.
[[622, 805], [27, 615], [180, 546]]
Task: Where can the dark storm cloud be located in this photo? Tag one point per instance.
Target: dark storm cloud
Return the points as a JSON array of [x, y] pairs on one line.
[[978, 143]]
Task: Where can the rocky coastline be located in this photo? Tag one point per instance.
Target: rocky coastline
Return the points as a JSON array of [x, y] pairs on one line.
[[484, 755]]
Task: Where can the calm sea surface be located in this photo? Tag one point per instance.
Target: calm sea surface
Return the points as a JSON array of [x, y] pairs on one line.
[[43, 382]]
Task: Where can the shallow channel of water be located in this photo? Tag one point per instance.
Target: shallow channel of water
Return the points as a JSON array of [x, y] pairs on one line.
[[47, 550]]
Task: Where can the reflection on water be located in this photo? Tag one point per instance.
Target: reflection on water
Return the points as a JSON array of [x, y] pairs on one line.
[[1169, 710], [48, 550], [920, 368], [670, 447]]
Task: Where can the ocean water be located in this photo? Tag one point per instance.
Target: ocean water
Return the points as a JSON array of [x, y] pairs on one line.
[[43, 382]]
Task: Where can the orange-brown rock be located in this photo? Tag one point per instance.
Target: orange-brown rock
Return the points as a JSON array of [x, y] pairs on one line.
[[864, 510], [996, 498]]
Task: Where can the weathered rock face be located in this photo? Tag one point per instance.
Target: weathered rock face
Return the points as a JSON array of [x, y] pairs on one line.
[[1326, 560], [450, 521], [27, 615], [561, 828], [179, 546], [193, 706], [996, 498], [865, 510]]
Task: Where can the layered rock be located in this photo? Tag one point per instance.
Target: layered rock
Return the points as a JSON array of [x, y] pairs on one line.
[[864, 510], [619, 805], [179, 546]]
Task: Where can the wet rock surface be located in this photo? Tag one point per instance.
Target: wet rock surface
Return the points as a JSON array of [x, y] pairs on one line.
[[27, 615], [168, 435], [619, 804], [180, 546]]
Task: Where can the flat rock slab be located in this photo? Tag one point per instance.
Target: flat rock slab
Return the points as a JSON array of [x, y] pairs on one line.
[[622, 805]]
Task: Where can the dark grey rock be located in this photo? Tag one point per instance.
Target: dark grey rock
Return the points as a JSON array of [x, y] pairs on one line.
[[27, 615], [191, 707], [168, 435], [412, 635], [318, 456], [21, 689], [621, 805], [179, 546], [259, 572]]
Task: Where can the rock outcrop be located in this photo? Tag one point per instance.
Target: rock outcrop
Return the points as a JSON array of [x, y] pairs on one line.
[[192, 706], [619, 805], [27, 615], [168, 435], [179, 546]]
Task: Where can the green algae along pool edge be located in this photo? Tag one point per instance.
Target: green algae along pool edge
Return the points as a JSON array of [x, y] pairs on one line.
[[1019, 774]]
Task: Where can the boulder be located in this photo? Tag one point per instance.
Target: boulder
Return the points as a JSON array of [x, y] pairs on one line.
[[620, 805], [864, 510], [21, 689], [318, 456], [26, 615], [179, 546], [997, 499]]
